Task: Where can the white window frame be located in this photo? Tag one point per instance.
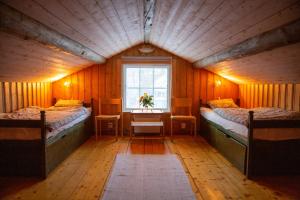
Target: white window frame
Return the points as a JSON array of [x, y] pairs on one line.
[[125, 66]]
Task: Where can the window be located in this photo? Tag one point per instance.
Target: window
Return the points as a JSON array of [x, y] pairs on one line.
[[152, 79]]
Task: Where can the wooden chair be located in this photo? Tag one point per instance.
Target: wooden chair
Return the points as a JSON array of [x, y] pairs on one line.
[[113, 117], [183, 103]]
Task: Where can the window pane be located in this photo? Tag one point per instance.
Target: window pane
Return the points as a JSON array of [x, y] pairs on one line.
[[160, 77], [149, 91], [132, 98], [146, 75], [152, 80], [132, 79], [160, 98]]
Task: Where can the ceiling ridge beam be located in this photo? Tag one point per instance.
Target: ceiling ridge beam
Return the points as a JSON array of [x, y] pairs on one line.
[[149, 10], [16, 23], [279, 37]]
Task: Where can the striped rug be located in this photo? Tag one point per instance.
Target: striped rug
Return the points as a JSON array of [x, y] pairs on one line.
[[148, 177]]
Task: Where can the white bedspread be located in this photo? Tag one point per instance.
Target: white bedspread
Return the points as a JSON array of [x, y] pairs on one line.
[[240, 115], [271, 134], [237, 128], [55, 116]]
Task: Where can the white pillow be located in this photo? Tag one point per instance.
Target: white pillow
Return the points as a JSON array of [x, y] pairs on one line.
[[222, 103], [66, 103]]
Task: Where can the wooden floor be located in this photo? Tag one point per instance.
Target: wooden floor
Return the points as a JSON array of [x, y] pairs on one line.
[[84, 173]]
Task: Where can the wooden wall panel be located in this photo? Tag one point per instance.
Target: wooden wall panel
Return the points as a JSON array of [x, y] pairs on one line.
[[284, 96], [105, 80], [256, 95], [34, 96], [209, 89], [42, 94], [276, 95], [75, 86], [38, 94], [205, 88], [7, 97], [25, 95], [29, 87], [81, 87], [20, 95], [270, 96], [2, 108], [16, 95], [297, 97], [49, 95]]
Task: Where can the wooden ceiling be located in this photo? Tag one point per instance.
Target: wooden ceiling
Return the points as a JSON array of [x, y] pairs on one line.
[[196, 29], [106, 27], [281, 65], [192, 29], [24, 60]]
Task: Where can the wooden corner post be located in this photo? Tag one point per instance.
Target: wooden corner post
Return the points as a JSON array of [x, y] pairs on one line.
[[43, 145], [249, 170]]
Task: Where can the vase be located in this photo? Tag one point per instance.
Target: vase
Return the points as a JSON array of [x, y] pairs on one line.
[[146, 109]]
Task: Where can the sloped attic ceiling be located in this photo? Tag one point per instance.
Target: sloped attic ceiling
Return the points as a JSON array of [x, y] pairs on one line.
[[191, 29]]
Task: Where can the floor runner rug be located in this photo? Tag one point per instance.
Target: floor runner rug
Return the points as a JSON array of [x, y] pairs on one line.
[[148, 177]]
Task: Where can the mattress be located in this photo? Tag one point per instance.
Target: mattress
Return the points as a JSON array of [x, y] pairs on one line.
[[61, 123], [69, 125], [240, 115], [236, 128], [241, 131], [55, 116]]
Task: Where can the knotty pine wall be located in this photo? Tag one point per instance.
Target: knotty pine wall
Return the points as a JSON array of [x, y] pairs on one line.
[[205, 87], [105, 80], [286, 96], [16, 95]]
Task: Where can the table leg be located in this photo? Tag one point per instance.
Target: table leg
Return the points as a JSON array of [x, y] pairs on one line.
[[100, 134], [130, 131], [191, 127], [96, 127], [122, 134], [163, 129], [195, 127], [116, 131], [171, 129]]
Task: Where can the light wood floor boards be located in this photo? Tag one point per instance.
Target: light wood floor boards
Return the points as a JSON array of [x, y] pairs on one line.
[[84, 173]]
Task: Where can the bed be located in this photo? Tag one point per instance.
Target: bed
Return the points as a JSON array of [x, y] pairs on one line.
[[266, 144], [33, 141]]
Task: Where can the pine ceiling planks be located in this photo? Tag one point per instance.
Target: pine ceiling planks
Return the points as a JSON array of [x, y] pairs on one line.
[[200, 28], [192, 29], [105, 26], [23, 60], [281, 65], [245, 21]]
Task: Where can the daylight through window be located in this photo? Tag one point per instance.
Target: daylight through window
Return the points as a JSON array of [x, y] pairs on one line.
[[150, 79]]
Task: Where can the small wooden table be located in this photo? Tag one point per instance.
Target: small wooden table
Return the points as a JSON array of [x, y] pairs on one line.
[[148, 113]]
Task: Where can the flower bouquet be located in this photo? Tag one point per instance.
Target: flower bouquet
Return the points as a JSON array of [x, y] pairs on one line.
[[146, 101]]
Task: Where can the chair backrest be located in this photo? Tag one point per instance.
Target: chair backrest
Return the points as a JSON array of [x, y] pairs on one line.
[[112, 102], [182, 103]]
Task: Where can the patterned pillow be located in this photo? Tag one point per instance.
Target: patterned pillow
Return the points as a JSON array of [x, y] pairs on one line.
[[65, 103], [222, 103]]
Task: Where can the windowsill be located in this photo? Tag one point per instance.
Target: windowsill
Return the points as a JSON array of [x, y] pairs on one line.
[[147, 111]]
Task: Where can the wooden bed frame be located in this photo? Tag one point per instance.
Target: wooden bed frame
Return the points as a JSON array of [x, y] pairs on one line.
[[255, 156], [40, 156]]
